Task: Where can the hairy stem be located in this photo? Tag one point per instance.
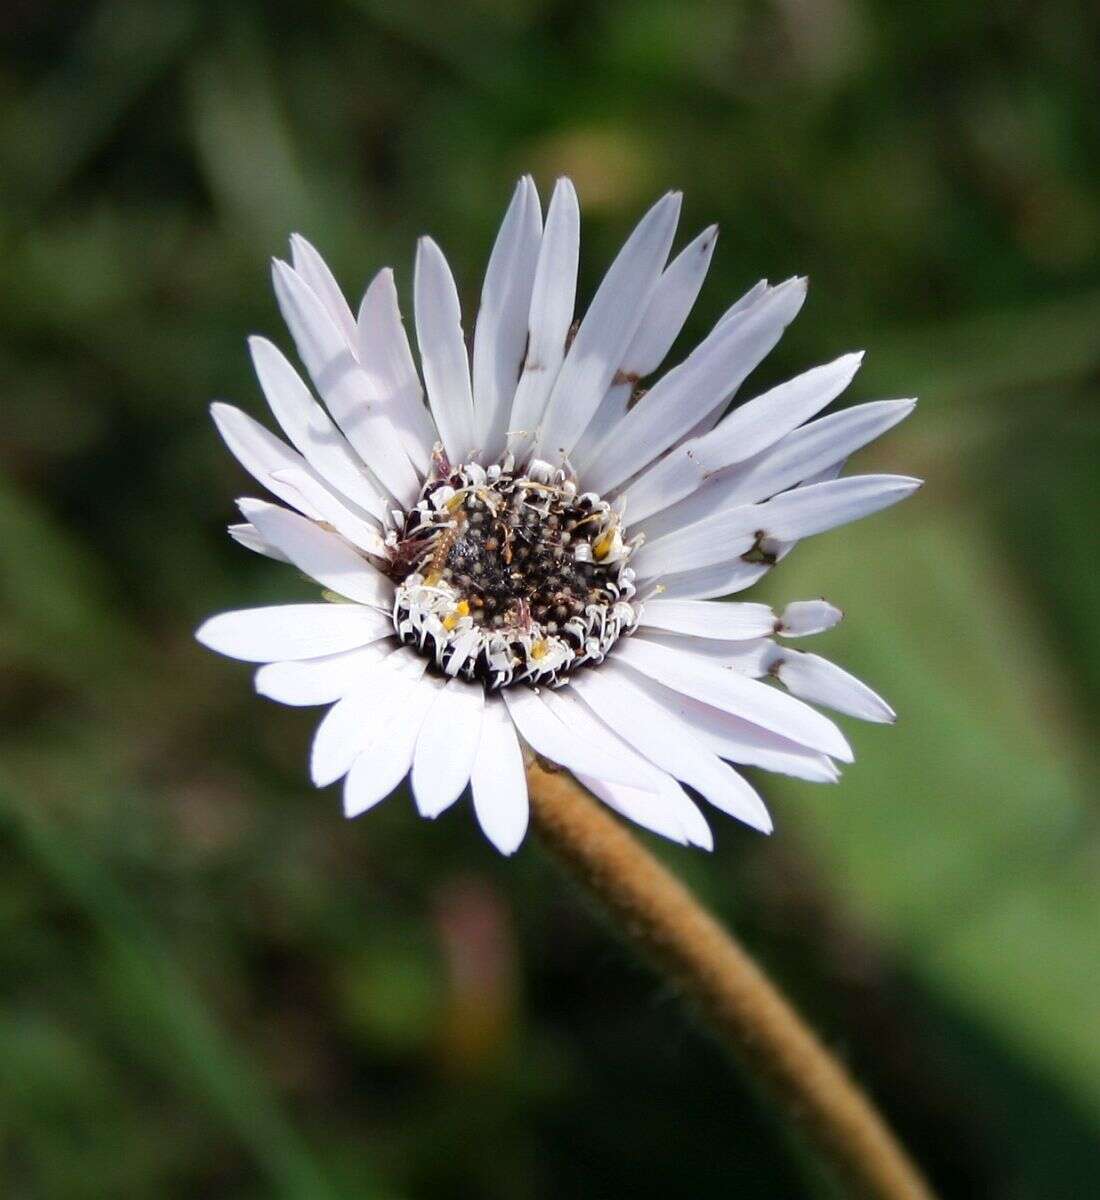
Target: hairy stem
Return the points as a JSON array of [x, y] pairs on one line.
[[657, 913]]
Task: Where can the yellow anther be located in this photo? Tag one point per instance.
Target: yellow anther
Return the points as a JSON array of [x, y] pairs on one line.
[[601, 547], [461, 609], [539, 649]]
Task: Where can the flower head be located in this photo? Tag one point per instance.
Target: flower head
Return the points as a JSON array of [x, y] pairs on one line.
[[531, 561]]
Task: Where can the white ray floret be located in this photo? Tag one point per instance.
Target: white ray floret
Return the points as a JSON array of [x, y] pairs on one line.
[[553, 299], [382, 348], [606, 331], [498, 781], [521, 551], [343, 384], [500, 337], [388, 756], [749, 431], [322, 555], [443, 351], [788, 517], [442, 765], [815, 450], [325, 680], [356, 717], [804, 617], [700, 619], [668, 308], [702, 383], [248, 536], [309, 427]]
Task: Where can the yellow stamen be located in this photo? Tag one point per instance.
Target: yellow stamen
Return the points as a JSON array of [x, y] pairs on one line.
[[539, 649], [462, 609], [601, 547]]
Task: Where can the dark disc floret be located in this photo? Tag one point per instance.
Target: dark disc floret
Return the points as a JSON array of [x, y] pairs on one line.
[[507, 575]]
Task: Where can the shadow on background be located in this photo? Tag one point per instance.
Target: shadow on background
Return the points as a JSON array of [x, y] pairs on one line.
[[214, 986]]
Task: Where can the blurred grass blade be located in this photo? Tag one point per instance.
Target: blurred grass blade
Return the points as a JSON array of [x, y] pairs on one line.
[[175, 1032], [121, 49]]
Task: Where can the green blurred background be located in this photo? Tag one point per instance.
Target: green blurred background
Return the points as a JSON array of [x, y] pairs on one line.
[[211, 984]]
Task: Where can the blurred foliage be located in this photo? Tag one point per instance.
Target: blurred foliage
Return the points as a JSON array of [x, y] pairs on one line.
[[211, 984]]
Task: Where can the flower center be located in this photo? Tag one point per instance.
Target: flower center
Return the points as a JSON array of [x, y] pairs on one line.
[[511, 577]]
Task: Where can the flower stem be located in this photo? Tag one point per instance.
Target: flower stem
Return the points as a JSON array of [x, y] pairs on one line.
[[661, 917]]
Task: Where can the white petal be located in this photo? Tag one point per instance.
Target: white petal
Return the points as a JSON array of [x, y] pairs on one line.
[[443, 350], [546, 735], [500, 335], [387, 362], [750, 656], [753, 296], [811, 677], [747, 431], [310, 428], [817, 507], [722, 579], [670, 304], [315, 271], [740, 741], [356, 718], [823, 476], [704, 618], [342, 383], [687, 812], [606, 331], [661, 813], [499, 781], [665, 809], [734, 693], [803, 617], [447, 745], [585, 725], [261, 453], [760, 423], [323, 556], [756, 292], [719, 538], [799, 513], [290, 631], [667, 742], [320, 680], [360, 532], [247, 535], [552, 301], [797, 458], [386, 761], [703, 382], [664, 318]]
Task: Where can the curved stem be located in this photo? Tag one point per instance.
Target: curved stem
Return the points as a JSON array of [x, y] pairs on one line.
[[655, 911]]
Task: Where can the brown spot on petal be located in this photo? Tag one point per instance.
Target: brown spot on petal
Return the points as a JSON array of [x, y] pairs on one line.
[[757, 553]]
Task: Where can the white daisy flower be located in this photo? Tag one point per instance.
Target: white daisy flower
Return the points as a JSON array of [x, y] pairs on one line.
[[530, 562]]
